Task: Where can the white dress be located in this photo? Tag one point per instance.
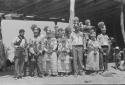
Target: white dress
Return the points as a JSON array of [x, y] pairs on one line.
[[50, 55], [64, 62], [93, 56]]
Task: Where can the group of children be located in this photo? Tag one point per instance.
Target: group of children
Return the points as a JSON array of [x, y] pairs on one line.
[[63, 51]]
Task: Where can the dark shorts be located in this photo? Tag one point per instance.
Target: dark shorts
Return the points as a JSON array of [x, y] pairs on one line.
[[105, 46], [20, 53]]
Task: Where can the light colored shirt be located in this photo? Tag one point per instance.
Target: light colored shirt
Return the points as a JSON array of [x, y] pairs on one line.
[[93, 44], [22, 44], [103, 39], [77, 38]]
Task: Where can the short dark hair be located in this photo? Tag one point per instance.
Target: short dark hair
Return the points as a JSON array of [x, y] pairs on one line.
[[21, 30]]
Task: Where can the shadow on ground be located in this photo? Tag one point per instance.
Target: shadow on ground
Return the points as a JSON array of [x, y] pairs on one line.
[[5, 73]]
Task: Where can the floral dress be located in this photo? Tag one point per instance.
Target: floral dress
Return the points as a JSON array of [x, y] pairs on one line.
[[64, 62], [93, 56], [50, 55]]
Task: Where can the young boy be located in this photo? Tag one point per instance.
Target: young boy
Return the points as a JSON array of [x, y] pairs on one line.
[[20, 44], [117, 56], [103, 39]]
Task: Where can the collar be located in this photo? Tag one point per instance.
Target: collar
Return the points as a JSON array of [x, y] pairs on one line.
[[21, 37]]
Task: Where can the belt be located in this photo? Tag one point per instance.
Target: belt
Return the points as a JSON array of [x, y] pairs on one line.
[[104, 46], [78, 45]]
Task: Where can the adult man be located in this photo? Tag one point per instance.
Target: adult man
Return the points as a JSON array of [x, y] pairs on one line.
[[36, 50], [77, 48], [104, 42], [20, 44]]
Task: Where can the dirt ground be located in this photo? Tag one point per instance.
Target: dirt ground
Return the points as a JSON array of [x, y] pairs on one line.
[[112, 76]]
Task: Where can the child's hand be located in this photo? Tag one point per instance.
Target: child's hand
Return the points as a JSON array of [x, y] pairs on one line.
[[113, 54]]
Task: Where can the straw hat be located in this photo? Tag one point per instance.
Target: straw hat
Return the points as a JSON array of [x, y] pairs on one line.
[[34, 27], [117, 48]]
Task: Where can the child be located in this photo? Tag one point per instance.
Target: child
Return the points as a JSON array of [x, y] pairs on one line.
[[117, 56]]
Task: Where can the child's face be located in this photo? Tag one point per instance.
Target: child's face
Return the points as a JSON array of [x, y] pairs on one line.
[[22, 33], [93, 37], [36, 32], [117, 51], [92, 30]]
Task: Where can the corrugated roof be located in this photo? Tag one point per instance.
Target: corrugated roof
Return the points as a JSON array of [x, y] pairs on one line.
[[60, 8]]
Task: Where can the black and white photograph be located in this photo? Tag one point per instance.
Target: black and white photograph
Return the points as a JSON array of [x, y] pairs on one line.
[[62, 42]]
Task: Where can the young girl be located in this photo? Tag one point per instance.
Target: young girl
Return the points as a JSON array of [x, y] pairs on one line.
[[50, 45], [92, 63], [64, 47]]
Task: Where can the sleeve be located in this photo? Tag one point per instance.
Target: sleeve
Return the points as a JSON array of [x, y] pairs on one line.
[[98, 38], [44, 45], [14, 41], [59, 46], [55, 44], [70, 41], [24, 43], [84, 41], [81, 34], [68, 46], [26, 50], [88, 44], [109, 45], [32, 50], [71, 36], [108, 37], [41, 45], [99, 45], [120, 55], [31, 47]]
